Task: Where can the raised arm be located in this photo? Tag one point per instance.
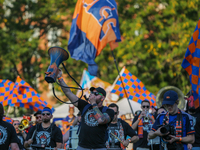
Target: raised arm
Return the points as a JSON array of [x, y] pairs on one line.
[[72, 97]]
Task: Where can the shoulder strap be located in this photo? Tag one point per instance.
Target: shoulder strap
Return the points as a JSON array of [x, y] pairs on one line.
[[104, 109], [85, 109]]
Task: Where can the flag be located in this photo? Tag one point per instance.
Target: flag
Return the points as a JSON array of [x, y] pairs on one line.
[[8, 92], [135, 89], [21, 94], [191, 63], [8, 119], [28, 97], [88, 81], [95, 23]]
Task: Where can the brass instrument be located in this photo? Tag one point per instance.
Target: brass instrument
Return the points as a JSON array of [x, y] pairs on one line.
[[25, 123], [146, 118], [159, 96]]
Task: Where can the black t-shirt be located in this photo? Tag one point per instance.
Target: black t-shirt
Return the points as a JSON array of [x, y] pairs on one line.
[[92, 134], [196, 123], [45, 136], [142, 141], [128, 131], [20, 140], [7, 135]]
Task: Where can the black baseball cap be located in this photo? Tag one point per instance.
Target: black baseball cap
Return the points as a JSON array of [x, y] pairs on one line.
[[170, 97], [38, 112], [99, 89]]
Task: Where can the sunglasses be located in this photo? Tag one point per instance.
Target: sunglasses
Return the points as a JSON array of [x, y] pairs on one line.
[[48, 114], [16, 124], [116, 113], [96, 93], [38, 117], [145, 106]]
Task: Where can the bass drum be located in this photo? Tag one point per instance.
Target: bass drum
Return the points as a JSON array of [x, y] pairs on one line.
[[73, 138]]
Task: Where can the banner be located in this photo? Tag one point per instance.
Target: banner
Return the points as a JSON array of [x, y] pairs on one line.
[[94, 24]]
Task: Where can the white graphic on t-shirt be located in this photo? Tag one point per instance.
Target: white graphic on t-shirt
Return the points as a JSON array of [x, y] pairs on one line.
[[112, 138], [89, 118], [43, 137], [3, 135], [21, 139]]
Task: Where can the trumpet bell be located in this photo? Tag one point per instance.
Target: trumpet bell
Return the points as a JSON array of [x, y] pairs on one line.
[[160, 95]]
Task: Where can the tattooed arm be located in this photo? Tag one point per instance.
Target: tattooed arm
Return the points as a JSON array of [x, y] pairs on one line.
[[102, 118]]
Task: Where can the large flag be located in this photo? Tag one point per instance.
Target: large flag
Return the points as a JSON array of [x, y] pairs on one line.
[[191, 63], [135, 89], [8, 119], [95, 23], [21, 94], [88, 81]]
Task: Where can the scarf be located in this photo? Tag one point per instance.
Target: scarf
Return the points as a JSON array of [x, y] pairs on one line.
[[178, 123], [140, 126]]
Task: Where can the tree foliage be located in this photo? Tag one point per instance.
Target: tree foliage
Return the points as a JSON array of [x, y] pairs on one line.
[[155, 35]]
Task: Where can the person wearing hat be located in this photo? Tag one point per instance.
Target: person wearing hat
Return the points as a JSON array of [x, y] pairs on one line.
[[38, 117], [8, 134], [175, 127], [45, 133], [95, 117]]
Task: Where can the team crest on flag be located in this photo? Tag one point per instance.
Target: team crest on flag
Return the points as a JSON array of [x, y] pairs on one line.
[[95, 23]]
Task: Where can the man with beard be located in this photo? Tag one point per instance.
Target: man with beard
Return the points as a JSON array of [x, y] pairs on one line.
[[121, 130], [38, 117], [20, 134], [95, 117], [45, 134], [8, 135]]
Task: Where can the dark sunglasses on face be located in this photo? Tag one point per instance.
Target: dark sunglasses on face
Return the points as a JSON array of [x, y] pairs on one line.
[[16, 124], [96, 93], [38, 117], [145, 106], [48, 114]]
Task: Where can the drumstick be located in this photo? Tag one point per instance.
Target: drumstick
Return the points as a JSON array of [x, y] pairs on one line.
[[116, 137]]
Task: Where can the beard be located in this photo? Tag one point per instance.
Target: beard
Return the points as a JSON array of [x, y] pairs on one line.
[[46, 120]]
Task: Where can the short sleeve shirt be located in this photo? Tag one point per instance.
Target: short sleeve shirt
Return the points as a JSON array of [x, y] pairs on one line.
[[46, 136], [89, 126], [7, 135]]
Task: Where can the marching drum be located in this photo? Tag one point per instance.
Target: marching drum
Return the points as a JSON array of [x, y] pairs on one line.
[[73, 138]]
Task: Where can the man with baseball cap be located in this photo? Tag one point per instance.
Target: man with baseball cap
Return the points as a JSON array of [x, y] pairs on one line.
[[38, 117], [175, 127], [95, 117]]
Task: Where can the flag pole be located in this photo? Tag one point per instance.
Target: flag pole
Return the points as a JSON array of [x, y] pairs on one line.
[[122, 83]]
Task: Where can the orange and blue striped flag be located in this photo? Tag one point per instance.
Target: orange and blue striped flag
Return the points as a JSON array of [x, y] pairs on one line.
[[95, 23], [191, 63], [135, 89]]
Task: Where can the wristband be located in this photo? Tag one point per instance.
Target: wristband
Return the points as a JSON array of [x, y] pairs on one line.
[[129, 140], [180, 139], [60, 78]]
